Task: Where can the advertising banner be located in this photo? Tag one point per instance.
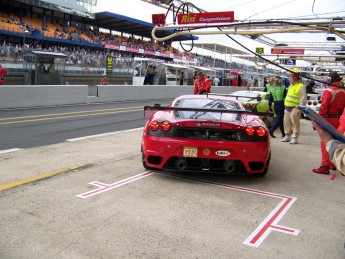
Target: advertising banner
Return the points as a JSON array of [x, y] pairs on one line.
[[215, 17]]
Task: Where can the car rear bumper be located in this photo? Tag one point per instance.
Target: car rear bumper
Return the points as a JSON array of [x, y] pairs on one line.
[[220, 156]]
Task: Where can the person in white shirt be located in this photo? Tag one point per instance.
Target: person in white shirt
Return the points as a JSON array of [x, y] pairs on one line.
[[216, 81]]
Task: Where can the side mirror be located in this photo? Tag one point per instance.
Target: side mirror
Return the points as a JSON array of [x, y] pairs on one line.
[[157, 105]]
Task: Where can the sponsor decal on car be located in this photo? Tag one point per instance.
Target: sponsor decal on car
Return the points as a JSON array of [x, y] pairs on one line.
[[203, 124], [222, 153]]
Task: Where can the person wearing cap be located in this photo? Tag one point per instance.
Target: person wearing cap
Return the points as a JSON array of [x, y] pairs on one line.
[[332, 106], [277, 94], [202, 84], [3, 72], [335, 148], [296, 95]]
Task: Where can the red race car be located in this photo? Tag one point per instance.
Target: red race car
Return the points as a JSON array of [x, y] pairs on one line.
[[206, 133]]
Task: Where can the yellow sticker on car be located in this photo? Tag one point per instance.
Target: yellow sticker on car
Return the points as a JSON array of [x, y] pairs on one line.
[[190, 151]]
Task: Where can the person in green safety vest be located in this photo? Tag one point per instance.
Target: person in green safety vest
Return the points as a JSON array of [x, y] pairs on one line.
[[296, 95], [277, 95], [51, 70]]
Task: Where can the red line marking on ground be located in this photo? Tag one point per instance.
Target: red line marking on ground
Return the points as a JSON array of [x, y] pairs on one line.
[[259, 234], [271, 221], [102, 187], [283, 228]]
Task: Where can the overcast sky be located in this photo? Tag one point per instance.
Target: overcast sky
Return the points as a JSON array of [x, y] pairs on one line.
[[243, 9]]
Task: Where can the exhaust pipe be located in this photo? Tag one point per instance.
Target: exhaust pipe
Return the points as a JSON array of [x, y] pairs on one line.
[[230, 166], [181, 163]]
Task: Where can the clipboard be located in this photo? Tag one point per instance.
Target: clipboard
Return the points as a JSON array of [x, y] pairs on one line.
[[314, 116]]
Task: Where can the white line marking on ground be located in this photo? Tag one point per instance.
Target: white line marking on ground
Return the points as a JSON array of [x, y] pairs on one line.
[[9, 150], [103, 187], [255, 239], [103, 134]]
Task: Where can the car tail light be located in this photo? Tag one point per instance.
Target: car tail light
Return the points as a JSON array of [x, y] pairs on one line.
[[154, 126], [309, 102], [315, 103], [165, 125], [261, 131], [250, 130]]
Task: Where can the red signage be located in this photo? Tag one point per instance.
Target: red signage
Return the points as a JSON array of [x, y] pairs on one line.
[[158, 19], [287, 51], [149, 52], [215, 17]]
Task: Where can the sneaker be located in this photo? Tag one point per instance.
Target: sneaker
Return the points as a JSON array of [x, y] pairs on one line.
[[293, 141], [286, 139]]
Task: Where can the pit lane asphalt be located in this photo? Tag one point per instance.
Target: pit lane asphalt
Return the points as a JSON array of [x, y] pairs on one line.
[[32, 127], [159, 216]]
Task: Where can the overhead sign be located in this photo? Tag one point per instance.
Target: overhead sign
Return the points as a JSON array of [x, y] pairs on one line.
[[288, 62], [287, 51], [215, 17], [158, 19], [259, 50]]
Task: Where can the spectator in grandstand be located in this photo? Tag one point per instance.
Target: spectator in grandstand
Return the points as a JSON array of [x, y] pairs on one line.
[[3, 72], [202, 84]]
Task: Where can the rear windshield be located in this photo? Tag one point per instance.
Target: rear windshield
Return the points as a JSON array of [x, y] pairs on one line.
[[208, 104]]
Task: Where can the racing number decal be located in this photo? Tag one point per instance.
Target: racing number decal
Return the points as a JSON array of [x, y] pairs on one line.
[[158, 19], [190, 152]]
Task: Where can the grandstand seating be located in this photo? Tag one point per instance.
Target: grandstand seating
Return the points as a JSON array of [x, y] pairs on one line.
[[11, 23]]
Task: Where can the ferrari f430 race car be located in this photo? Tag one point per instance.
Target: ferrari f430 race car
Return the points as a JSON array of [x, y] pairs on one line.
[[206, 133]]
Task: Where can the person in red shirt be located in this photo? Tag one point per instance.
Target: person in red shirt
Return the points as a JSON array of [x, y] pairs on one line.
[[3, 72], [202, 84], [332, 106], [104, 80]]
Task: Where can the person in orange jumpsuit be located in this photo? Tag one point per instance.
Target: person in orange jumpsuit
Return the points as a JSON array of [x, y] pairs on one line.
[[202, 84], [341, 127], [332, 106], [3, 72], [104, 80]]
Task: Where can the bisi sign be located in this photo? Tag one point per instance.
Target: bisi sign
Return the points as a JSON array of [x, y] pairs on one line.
[[287, 51], [214, 17]]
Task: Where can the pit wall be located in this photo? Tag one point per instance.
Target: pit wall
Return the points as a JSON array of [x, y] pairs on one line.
[[20, 96]]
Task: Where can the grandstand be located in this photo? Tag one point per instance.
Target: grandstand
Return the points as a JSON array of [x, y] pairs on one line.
[[71, 27]]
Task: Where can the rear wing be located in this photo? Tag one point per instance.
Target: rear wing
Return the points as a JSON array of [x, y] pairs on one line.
[[221, 111], [258, 98]]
